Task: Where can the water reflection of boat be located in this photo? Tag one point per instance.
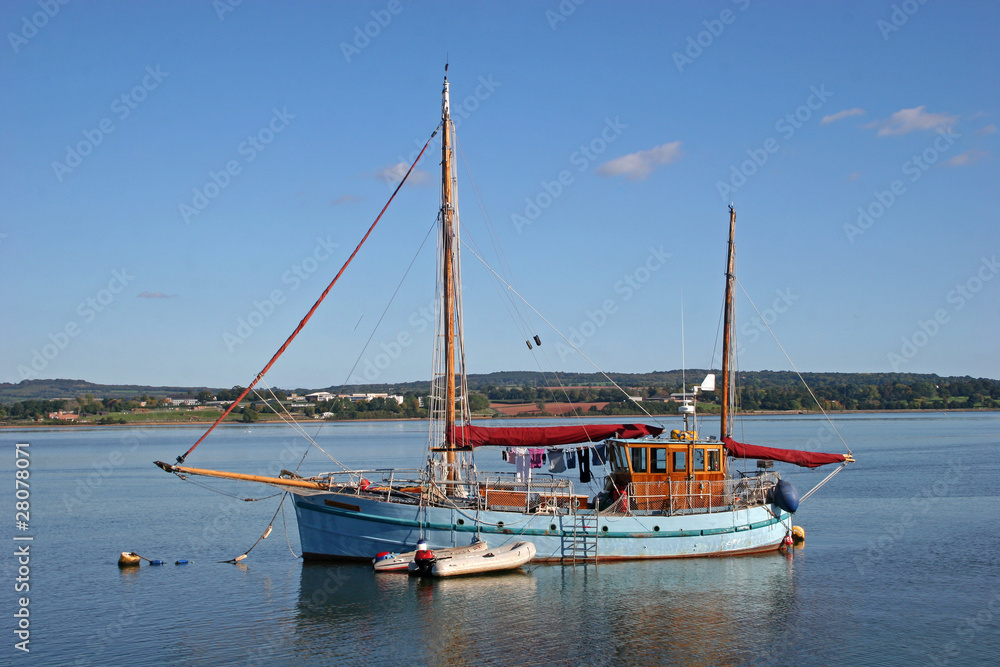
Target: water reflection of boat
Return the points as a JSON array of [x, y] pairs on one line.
[[699, 611]]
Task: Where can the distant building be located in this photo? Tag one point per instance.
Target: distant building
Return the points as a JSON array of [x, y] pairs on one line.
[[178, 402], [354, 398], [65, 416], [319, 397]]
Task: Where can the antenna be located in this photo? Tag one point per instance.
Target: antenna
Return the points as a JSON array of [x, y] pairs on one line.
[[683, 362]]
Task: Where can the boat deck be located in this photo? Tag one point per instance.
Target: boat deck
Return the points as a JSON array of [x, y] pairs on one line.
[[549, 494]]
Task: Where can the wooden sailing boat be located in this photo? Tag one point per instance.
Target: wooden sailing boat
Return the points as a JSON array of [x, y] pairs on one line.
[[662, 497]]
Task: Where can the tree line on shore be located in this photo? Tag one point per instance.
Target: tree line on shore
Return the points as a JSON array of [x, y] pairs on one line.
[[758, 391]]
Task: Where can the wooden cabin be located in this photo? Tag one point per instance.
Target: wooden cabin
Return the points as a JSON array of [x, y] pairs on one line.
[[667, 476]]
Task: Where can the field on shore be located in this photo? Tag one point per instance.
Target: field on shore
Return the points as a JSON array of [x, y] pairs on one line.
[[204, 417], [528, 409]]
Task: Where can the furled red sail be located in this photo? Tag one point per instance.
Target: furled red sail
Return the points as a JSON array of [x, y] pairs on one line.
[[805, 459], [547, 436]]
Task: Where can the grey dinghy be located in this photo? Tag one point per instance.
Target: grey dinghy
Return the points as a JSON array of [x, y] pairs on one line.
[[507, 557]]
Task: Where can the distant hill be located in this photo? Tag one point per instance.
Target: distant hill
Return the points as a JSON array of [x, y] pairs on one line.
[[660, 379], [60, 388], [29, 390]]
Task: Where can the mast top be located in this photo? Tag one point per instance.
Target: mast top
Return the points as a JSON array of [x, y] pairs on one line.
[[445, 99]]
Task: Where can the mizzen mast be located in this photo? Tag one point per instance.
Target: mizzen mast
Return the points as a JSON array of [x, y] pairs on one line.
[[727, 327]]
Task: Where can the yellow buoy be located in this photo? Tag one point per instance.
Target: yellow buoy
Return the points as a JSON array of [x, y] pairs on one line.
[[128, 559], [798, 534]]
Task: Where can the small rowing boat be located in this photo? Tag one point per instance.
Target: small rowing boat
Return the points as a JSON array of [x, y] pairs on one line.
[[392, 562], [509, 557]]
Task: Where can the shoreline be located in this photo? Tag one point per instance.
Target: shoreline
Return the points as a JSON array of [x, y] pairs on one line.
[[760, 413]]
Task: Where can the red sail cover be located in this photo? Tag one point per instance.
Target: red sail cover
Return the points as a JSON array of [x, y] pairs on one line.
[[547, 436], [805, 459]]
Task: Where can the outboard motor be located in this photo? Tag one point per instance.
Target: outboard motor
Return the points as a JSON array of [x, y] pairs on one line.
[[423, 561]]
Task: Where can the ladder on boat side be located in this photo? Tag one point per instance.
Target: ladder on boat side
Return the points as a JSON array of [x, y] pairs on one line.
[[580, 541]]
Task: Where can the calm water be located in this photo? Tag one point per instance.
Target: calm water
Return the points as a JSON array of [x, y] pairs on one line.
[[900, 565]]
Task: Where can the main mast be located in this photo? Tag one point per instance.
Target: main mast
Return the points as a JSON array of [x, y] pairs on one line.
[[448, 283], [727, 326]]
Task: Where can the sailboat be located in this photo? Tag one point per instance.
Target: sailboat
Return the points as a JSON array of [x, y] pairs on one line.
[[665, 495]]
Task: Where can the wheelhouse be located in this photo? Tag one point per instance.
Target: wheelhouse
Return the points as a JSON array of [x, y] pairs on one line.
[[655, 475]]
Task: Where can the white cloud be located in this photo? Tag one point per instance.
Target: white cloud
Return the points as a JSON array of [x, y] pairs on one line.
[[989, 129], [346, 199], [911, 120], [856, 111], [394, 174], [155, 295], [637, 166], [967, 158], [853, 177]]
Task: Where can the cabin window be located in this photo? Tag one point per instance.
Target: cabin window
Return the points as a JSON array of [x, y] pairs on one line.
[[699, 459], [680, 461], [618, 460], [659, 460], [638, 459], [713, 460]]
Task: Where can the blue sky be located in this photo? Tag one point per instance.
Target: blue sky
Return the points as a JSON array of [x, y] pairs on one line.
[[172, 169]]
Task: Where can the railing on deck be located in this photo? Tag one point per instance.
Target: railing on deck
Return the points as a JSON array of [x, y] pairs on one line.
[[548, 494], [545, 494], [489, 491], [693, 496]]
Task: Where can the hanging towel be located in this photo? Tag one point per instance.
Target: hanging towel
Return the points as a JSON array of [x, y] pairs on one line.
[[537, 457], [521, 459], [557, 461], [600, 454], [570, 458], [584, 466]]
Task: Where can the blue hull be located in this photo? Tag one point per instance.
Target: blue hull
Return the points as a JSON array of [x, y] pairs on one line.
[[347, 526]]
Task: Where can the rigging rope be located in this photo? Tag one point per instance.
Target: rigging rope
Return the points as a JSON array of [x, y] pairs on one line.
[[806, 384], [297, 427], [387, 306], [560, 334], [224, 493], [525, 324], [311, 440], [302, 324]]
